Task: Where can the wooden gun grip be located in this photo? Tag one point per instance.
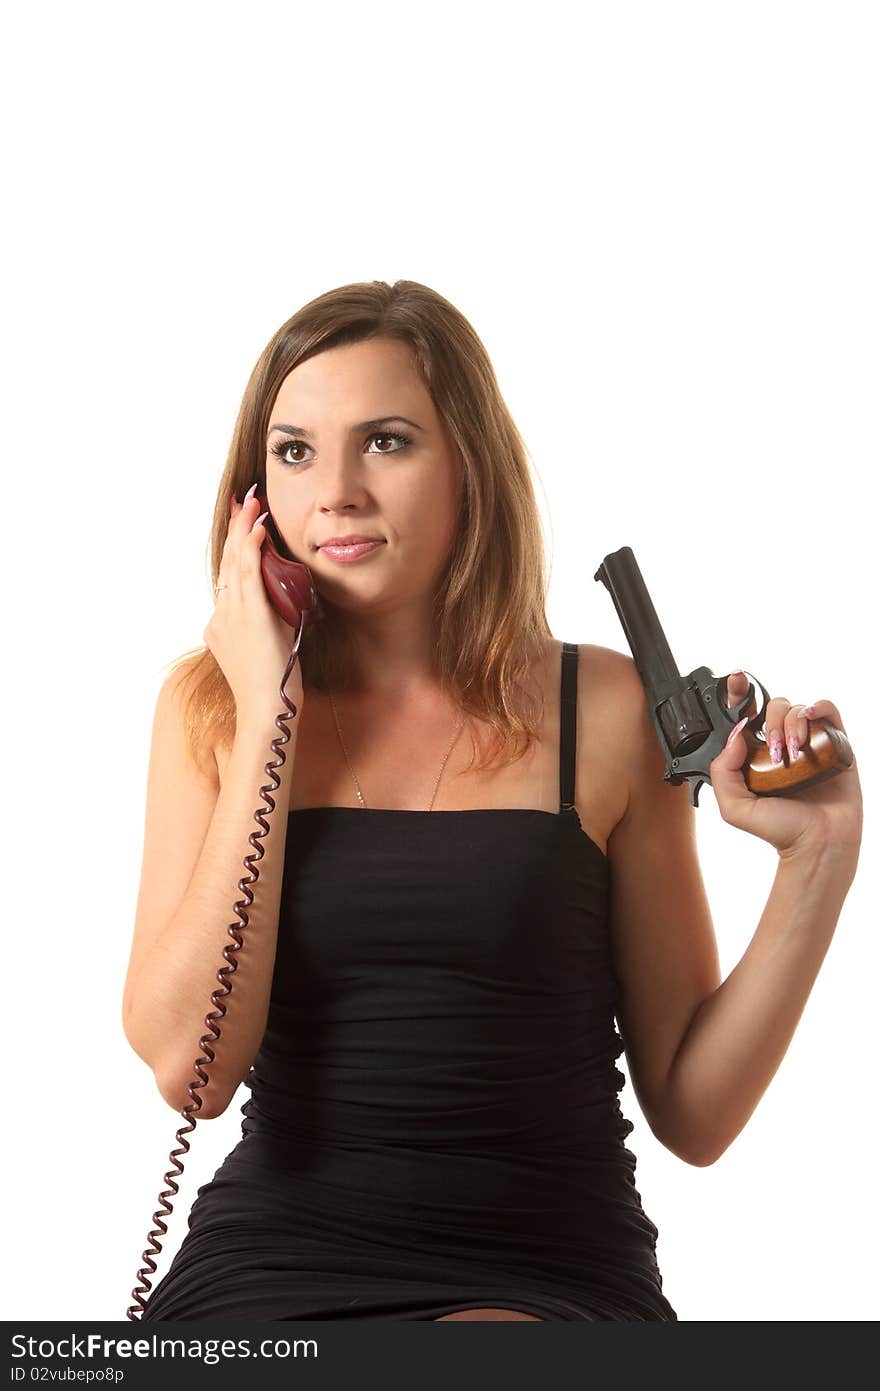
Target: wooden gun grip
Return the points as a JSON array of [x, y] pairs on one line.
[[826, 752]]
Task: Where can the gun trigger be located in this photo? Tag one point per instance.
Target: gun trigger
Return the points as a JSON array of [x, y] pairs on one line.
[[695, 790]]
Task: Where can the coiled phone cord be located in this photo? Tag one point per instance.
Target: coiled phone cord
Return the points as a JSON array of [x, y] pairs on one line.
[[217, 995]]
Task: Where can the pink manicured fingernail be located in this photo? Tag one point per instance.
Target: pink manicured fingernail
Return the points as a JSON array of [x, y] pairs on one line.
[[250, 492], [736, 729]]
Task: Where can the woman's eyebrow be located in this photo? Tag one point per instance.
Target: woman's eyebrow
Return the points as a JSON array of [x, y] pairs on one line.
[[356, 429]]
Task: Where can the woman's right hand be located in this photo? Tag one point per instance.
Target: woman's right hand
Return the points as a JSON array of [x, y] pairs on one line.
[[249, 640]]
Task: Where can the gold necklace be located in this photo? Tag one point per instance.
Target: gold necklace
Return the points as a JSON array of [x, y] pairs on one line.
[[354, 775]]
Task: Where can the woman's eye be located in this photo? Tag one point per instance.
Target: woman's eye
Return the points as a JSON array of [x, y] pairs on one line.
[[387, 435], [282, 447]]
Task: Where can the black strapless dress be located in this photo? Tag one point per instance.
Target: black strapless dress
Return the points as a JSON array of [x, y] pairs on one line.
[[434, 1120]]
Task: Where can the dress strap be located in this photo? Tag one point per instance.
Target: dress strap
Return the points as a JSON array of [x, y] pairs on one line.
[[568, 726]]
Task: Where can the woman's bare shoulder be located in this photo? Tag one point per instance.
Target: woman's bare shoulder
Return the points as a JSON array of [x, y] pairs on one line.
[[603, 723]]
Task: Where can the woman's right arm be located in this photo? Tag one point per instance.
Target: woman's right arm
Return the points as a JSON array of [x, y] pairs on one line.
[[196, 840]]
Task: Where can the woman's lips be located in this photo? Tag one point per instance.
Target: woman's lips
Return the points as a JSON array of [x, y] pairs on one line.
[[346, 553]]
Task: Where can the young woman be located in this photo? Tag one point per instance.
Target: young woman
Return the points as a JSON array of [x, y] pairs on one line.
[[473, 866]]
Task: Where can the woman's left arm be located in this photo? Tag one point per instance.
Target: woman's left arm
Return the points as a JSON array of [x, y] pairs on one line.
[[739, 1035]]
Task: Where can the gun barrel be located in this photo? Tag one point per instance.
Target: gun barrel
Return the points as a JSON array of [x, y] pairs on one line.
[[620, 574]]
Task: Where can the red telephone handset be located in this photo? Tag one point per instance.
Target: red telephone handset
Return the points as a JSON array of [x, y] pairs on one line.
[[292, 594], [289, 583]]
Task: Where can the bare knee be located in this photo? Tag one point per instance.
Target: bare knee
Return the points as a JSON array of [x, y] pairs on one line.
[[490, 1316]]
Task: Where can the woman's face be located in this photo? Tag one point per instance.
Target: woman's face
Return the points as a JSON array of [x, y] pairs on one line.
[[328, 475]]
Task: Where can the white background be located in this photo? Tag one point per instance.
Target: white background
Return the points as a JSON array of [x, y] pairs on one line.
[[662, 220]]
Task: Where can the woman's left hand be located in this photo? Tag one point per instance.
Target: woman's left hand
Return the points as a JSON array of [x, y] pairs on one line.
[[820, 819]]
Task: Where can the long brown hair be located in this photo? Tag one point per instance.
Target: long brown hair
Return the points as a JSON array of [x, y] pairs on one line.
[[489, 609]]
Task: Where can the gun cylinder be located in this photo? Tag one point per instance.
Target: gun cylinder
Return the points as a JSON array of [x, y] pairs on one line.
[[684, 723]]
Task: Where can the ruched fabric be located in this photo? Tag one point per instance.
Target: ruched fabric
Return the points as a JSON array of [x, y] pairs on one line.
[[434, 1121]]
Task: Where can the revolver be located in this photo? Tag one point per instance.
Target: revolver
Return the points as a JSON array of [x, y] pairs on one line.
[[690, 712]]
